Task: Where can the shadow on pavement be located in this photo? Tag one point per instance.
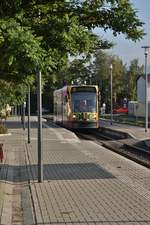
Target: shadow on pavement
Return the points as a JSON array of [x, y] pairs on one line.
[[55, 172], [19, 125]]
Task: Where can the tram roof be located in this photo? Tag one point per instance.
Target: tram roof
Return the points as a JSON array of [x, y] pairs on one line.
[[72, 85]]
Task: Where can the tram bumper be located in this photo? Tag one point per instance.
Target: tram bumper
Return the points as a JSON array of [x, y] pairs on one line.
[[84, 124]]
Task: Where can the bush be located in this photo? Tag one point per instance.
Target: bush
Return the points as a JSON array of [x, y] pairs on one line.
[[3, 129]]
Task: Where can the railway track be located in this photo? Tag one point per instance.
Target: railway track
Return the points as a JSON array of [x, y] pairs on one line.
[[131, 148], [120, 143]]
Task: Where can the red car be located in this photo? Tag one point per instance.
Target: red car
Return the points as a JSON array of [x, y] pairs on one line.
[[120, 110]]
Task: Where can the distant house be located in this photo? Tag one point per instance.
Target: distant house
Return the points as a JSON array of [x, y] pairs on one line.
[[141, 88], [141, 95]]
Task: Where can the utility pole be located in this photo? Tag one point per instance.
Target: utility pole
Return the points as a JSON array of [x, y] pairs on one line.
[[111, 94], [146, 86]]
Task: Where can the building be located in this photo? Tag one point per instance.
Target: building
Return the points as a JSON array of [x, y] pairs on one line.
[[140, 108]]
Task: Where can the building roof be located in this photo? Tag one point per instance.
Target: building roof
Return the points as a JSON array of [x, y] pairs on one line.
[[143, 76]]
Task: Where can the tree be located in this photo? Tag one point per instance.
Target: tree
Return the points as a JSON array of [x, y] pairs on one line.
[[101, 67], [124, 78], [132, 74], [11, 93], [42, 34]]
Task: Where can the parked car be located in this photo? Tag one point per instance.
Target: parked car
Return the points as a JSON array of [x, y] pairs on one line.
[[120, 110]]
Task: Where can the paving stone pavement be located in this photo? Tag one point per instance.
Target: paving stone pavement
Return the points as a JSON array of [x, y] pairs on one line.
[[83, 182]]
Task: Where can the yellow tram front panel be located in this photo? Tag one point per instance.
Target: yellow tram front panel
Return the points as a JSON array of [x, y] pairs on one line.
[[84, 116]]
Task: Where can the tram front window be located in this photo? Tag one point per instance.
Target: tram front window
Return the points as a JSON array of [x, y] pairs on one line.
[[83, 102]]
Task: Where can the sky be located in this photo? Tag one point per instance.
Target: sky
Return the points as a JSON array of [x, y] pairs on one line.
[[128, 50]]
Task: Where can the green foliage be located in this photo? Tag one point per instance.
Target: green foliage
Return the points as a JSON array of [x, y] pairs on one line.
[[12, 93], [63, 26], [36, 34], [101, 67], [124, 79], [20, 51], [117, 15]]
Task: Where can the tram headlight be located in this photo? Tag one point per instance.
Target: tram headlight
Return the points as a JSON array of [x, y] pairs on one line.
[[74, 116]]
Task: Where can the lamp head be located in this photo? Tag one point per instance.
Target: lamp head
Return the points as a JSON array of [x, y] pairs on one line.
[[146, 47]]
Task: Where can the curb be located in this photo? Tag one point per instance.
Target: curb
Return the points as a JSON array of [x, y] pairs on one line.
[[117, 133], [8, 134]]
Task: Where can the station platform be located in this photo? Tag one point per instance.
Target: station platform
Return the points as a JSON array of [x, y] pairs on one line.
[[83, 182], [124, 130]]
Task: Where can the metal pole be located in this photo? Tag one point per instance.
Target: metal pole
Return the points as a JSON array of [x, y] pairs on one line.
[[29, 114], [146, 86], [146, 103], [90, 79], [20, 110], [21, 107], [15, 111], [24, 125], [39, 104], [111, 102]]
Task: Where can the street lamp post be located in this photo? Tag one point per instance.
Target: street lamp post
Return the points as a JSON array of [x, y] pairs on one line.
[[40, 155], [111, 101], [90, 76], [146, 86], [29, 114], [24, 112], [39, 110]]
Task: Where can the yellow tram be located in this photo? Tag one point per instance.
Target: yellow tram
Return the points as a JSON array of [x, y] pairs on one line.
[[77, 106]]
